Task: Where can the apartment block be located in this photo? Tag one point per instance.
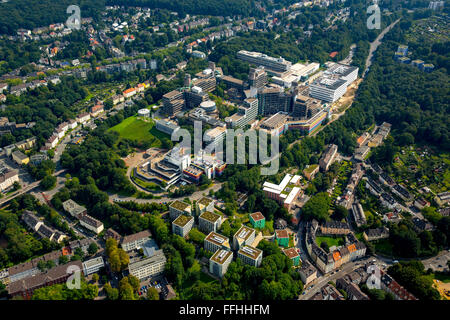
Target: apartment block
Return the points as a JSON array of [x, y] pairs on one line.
[[182, 225], [219, 262], [244, 236], [250, 255], [215, 241], [209, 221], [178, 208]]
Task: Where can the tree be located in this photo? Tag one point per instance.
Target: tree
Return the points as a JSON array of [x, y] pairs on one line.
[[111, 293], [317, 207], [152, 294], [340, 213], [93, 248], [95, 277], [48, 182]]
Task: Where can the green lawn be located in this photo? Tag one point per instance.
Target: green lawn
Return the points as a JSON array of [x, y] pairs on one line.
[[136, 129], [330, 241]]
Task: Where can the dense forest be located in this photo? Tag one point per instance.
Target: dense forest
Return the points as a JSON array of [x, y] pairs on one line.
[[13, 54], [30, 14]]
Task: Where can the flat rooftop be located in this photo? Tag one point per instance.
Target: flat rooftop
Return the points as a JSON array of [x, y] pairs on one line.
[[281, 233], [291, 253], [209, 216], [244, 233], [180, 205], [256, 216], [205, 201], [217, 239], [221, 255], [250, 252], [182, 220]]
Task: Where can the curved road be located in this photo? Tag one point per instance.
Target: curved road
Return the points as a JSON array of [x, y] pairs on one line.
[[374, 45]]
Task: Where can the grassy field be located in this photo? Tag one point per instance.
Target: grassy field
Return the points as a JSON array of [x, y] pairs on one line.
[[330, 241], [134, 128]]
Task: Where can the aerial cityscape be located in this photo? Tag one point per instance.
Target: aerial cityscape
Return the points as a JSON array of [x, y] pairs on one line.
[[225, 150]]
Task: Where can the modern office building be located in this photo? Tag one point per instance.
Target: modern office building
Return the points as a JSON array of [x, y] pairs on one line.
[[273, 99], [328, 89], [167, 126], [275, 125], [219, 262], [305, 107], [148, 266], [215, 241], [244, 236], [178, 208], [93, 265], [250, 255], [284, 193], [182, 225], [260, 59], [209, 221], [173, 102], [257, 77], [203, 205]]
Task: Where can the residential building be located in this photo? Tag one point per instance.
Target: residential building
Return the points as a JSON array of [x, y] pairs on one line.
[[244, 236], [93, 265], [328, 157], [215, 241], [219, 262], [91, 223], [111, 233], [421, 203], [74, 209], [30, 268], [59, 274], [83, 118], [390, 285], [178, 208], [442, 198], [292, 254], [203, 205], [358, 214], [352, 290], [209, 221], [282, 237], [307, 272], [250, 255], [7, 179], [376, 234], [182, 225], [20, 158], [402, 192], [31, 220], [52, 141], [257, 77], [257, 220], [135, 240]]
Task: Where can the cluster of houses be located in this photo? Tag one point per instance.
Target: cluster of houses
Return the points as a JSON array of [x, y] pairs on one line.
[[80, 213], [401, 56], [329, 261], [37, 225]]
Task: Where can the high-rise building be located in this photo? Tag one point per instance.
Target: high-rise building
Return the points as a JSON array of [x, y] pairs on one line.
[[257, 77], [273, 99]]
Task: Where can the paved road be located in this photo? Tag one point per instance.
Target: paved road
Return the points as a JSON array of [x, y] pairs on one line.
[[195, 196], [374, 45]]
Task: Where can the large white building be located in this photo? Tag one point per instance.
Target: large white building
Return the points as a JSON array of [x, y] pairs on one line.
[[148, 266], [284, 193], [250, 255], [219, 262], [244, 236], [182, 225], [135, 241], [260, 59], [93, 265], [7, 179], [334, 82], [209, 221], [215, 241]]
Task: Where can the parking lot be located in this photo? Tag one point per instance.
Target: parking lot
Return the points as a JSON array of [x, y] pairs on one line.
[[159, 283], [438, 263]]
